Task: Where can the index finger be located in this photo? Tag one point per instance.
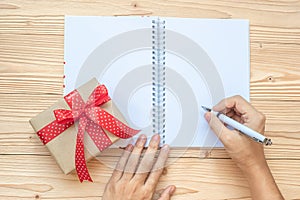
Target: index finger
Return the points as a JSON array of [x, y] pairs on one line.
[[237, 102]]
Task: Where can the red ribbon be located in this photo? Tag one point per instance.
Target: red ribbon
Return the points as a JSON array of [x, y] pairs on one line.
[[92, 119]]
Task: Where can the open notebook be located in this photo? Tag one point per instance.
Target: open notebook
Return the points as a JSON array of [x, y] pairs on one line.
[[159, 71]]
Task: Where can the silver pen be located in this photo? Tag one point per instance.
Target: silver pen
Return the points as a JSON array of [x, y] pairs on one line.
[[240, 127]]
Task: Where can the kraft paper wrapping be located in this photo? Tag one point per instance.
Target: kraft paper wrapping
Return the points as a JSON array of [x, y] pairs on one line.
[[63, 146]]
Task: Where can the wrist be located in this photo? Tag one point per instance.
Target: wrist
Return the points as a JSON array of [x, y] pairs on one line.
[[261, 182], [254, 169], [256, 172]]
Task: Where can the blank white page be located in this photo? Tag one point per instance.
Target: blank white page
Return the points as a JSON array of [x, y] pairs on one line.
[[207, 60]]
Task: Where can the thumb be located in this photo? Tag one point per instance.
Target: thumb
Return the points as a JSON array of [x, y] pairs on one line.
[[167, 193], [216, 125]]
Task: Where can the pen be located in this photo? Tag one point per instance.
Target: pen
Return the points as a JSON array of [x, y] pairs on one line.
[[240, 127]]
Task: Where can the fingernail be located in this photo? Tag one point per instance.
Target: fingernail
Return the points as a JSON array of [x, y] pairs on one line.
[[129, 147], [165, 147], [155, 137], [142, 137], [207, 116], [141, 141], [172, 190]]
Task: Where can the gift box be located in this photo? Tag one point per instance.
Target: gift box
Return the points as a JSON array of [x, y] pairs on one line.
[[80, 126]]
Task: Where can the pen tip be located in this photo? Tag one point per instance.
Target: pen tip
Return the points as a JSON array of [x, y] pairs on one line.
[[206, 109]]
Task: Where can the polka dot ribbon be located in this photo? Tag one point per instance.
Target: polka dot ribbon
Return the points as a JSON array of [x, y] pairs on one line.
[[91, 119]]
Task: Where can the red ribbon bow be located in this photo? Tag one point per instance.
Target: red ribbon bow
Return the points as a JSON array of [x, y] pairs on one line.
[[92, 119]]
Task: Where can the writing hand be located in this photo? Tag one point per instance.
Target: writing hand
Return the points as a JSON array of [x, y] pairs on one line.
[[247, 154]]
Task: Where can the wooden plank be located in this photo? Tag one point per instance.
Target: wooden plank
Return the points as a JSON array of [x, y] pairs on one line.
[[276, 80], [38, 177], [31, 46], [273, 13]]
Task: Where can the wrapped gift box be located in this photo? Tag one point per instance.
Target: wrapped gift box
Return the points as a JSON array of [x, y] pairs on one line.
[[63, 145]]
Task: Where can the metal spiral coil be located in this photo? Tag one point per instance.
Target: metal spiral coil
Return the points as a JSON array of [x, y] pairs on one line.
[[158, 78]]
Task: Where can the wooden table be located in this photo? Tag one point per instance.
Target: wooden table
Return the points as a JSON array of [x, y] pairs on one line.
[[31, 79]]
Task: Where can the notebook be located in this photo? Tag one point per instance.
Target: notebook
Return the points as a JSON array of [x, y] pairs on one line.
[[160, 70]]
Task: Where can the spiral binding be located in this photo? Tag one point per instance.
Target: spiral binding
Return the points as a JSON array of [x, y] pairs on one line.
[[158, 77]]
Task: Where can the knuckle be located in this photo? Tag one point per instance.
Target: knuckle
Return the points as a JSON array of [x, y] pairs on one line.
[[135, 186], [111, 187], [153, 145], [237, 96], [137, 181], [236, 99], [147, 191], [151, 182], [120, 185], [226, 137]]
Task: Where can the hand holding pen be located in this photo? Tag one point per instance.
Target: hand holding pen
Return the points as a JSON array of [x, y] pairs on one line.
[[238, 145], [254, 135], [247, 153]]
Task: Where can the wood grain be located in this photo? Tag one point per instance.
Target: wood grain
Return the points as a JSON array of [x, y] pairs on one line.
[[31, 79], [21, 177]]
